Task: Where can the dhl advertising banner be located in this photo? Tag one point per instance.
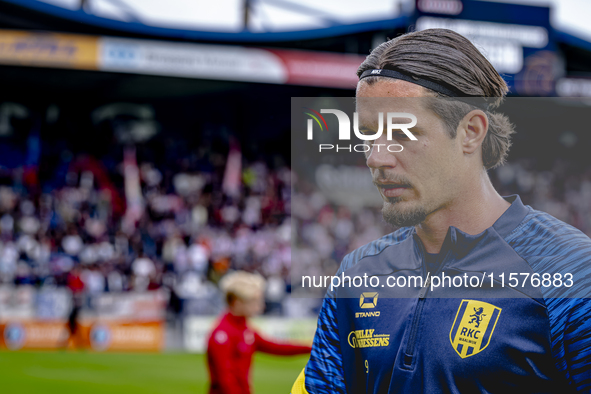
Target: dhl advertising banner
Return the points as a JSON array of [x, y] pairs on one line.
[[98, 336], [44, 49]]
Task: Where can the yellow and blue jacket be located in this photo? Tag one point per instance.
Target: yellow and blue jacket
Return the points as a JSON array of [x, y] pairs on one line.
[[497, 323]]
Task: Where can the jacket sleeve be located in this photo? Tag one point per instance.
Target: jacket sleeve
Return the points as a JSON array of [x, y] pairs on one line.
[[324, 372], [280, 349], [220, 362], [570, 321], [553, 247]]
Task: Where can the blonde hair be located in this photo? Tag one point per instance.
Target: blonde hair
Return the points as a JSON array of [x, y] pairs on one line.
[[242, 285]]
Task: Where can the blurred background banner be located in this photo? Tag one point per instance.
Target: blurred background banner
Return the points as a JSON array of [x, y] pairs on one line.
[[219, 62], [48, 49], [111, 336], [33, 318]]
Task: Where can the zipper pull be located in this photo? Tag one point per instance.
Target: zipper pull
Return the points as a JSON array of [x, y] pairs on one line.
[[425, 288]]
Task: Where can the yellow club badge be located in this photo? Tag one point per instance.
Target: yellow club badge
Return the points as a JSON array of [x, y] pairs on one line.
[[473, 327]]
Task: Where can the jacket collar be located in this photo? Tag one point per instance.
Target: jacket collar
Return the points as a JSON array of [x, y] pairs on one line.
[[511, 218], [462, 242]]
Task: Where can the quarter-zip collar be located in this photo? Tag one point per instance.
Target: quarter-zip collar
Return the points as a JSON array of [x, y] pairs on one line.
[[511, 218], [461, 243]]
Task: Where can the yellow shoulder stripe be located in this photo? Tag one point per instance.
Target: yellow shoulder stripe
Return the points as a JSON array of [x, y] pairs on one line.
[[299, 386]]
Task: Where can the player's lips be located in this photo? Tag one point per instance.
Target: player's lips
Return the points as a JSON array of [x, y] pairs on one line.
[[392, 189]]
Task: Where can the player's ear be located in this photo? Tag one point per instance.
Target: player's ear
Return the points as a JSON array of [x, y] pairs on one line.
[[231, 298], [473, 129]]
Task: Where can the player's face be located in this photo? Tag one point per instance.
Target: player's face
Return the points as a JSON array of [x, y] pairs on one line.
[[424, 177], [253, 306]]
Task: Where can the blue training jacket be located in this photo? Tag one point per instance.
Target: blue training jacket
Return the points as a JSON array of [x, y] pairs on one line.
[[474, 333]]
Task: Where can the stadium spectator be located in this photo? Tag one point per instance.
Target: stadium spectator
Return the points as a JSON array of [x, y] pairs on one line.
[[233, 342]]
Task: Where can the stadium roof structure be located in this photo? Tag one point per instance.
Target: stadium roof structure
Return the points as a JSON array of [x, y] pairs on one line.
[[324, 57], [566, 52], [38, 15]]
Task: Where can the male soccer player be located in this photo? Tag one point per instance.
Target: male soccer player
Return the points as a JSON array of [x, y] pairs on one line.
[[232, 342], [453, 337]]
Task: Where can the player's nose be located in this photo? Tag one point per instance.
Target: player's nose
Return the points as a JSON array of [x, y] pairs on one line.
[[380, 157]]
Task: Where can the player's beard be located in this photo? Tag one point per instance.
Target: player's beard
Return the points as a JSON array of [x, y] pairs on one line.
[[394, 211], [397, 216]]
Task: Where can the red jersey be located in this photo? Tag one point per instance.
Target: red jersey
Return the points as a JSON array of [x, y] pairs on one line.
[[75, 283], [229, 354]]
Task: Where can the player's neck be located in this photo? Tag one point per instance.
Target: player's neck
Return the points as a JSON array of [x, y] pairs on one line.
[[473, 212], [237, 319]]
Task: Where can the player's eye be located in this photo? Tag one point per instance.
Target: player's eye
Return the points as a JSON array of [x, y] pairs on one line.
[[401, 136]]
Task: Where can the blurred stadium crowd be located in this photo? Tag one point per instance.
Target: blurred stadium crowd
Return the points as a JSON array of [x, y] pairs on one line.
[[561, 188], [81, 235], [129, 220]]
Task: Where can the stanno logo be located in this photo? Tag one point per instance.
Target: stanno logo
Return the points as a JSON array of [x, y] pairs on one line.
[[368, 300], [473, 327], [367, 338], [367, 314]]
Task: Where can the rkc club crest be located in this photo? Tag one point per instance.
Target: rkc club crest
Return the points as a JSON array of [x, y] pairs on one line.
[[473, 327]]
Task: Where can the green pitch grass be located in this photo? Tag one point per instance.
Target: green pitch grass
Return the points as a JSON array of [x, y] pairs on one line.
[[90, 373]]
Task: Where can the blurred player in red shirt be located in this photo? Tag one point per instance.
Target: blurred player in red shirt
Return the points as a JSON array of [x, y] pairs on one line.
[[232, 342], [76, 286]]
